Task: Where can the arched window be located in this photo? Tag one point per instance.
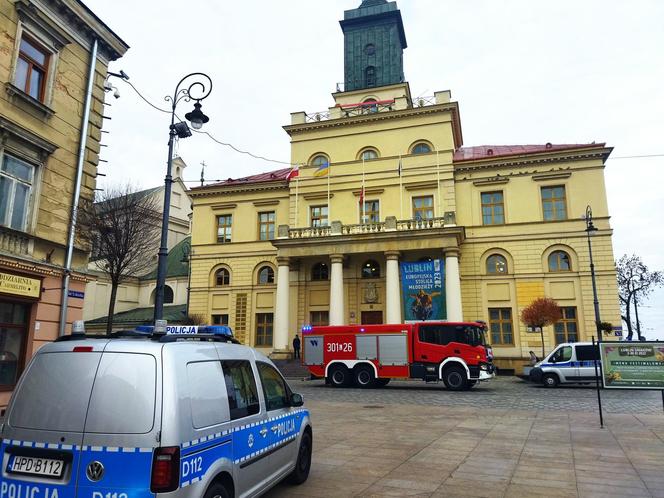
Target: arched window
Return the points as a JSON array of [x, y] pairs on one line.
[[421, 148], [319, 160], [370, 269], [496, 264], [222, 277], [559, 261], [368, 154], [168, 295], [370, 105], [266, 275], [320, 271], [370, 76]]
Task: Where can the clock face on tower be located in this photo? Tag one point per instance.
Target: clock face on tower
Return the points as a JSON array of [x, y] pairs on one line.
[[370, 49]]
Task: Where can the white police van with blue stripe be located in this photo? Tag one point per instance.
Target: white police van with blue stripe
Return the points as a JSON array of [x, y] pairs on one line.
[[569, 363], [140, 414]]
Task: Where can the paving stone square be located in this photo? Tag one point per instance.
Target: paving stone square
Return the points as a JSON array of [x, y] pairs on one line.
[[505, 438]]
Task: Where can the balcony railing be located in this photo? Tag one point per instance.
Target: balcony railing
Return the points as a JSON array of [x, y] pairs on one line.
[[15, 242], [391, 224], [367, 108]]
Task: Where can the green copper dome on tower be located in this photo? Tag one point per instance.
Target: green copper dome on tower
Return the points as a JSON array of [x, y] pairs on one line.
[[374, 40]]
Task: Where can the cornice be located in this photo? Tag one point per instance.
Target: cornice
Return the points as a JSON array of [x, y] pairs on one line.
[[212, 190], [383, 116], [528, 159]]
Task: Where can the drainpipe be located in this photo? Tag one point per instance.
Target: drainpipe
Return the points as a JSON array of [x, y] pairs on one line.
[[64, 303]]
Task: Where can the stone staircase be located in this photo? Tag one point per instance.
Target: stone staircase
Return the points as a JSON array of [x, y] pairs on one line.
[[292, 369]]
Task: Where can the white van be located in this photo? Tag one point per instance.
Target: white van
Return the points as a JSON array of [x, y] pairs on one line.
[[138, 415], [568, 363]]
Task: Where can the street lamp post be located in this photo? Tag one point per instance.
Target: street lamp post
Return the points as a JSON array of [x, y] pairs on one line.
[[590, 230], [200, 82], [186, 258]]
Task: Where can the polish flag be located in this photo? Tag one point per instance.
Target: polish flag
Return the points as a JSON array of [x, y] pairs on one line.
[[362, 196], [295, 172]]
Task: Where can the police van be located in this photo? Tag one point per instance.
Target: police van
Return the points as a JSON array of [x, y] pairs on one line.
[[139, 414], [569, 363]]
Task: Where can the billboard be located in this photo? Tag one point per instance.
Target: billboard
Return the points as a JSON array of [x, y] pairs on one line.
[[638, 365], [423, 290]]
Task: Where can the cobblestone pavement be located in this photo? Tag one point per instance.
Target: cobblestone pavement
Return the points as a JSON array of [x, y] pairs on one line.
[[501, 392], [504, 439]]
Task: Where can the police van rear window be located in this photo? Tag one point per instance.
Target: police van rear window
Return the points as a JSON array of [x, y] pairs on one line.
[[123, 396], [55, 391], [60, 388]]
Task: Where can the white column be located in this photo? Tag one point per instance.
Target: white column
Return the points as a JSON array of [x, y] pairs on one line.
[[392, 288], [453, 286], [337, 312], [282, 306]]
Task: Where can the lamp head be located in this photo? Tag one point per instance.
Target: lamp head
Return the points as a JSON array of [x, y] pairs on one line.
[[196, 117]]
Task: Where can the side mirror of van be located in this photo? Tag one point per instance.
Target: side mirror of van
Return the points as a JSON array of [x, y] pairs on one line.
[[296, 400]]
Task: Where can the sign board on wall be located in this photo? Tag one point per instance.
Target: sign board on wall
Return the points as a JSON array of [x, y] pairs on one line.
[[423, 288], [638, 365], [19, 285]]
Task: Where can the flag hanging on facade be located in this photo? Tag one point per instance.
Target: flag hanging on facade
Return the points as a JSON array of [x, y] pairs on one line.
[[293, 173], [362, 198], [322, 170], [399, 168]]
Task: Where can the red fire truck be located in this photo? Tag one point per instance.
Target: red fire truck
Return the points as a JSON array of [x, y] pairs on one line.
[[371, 355]]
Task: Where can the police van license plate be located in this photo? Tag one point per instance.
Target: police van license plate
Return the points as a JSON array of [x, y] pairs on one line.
[[47, 467]]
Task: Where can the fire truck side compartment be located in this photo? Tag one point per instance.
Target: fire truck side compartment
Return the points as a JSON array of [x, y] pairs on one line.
[[393, 350], [367, 348], [313, 350]]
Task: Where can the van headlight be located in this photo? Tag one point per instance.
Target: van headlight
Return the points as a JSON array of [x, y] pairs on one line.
[[484, 366]]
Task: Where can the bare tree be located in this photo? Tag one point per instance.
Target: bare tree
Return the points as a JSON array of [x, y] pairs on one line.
[[635, 283], [122, 227], [541, 312]]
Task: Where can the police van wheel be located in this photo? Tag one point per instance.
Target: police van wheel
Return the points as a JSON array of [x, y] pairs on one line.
[[364, 377], [455, 378], [550, 380], [303, 464], [340, 376], [217, 490]]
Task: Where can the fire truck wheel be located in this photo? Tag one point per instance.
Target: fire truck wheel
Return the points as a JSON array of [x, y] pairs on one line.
[[471, 384], [364, 376], [382, 382], [340, 376], [455, 378]]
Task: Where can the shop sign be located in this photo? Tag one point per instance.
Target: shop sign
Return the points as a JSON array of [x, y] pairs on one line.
[[19, 286], [633, 366], [423, 287]]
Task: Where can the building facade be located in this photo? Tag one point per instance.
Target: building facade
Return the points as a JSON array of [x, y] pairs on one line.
[[385, 179], [45, 60]]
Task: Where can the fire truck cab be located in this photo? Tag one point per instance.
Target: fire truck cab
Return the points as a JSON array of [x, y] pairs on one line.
[[371, 355]]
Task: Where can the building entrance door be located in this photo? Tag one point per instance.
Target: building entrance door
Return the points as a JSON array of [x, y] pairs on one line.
[[372, 317], [13, 332]]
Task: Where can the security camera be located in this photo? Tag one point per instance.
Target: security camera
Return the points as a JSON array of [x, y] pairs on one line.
[[116, 93], [124, 75]]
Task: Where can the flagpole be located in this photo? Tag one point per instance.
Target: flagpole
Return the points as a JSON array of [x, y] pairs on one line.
[[400, 189], [297, 185], [438, 181], [329, 207], [363, 194]]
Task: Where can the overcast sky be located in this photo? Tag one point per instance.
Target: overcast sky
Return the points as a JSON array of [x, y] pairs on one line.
[[522, 71]]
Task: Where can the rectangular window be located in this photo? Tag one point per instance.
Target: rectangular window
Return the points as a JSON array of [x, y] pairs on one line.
[[32, 68], [264, 322], [207, 393], [567, 328], [220, 319], [275, 389], [319, 318], [371, 212], [493, 209], [224, 228], [16, 178], [266, 225], [500, 325], [554, 203], [423, 207], [240, 388], [319, 216]]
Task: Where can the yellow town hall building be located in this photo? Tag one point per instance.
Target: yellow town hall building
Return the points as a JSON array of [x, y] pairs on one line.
[[386, 179]]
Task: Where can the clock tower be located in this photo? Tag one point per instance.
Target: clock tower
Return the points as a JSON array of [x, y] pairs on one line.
[[374, 40]]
